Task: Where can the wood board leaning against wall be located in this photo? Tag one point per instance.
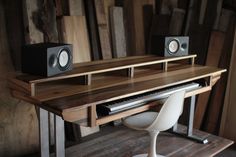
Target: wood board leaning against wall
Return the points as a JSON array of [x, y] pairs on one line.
[[227, 128], [18, 124]]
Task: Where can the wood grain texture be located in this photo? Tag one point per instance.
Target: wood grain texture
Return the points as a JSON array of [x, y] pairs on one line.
[[192, 16], [107, 5], [212, 13], [124, 142], [218, 14], [227, 127], [103, 29], [224, 20], [199, 37], [74, 31], [215, 49], [212, 122], [118, 32], [48, 21], [127, 89], [32, 33], [133, 11], [76, 7], [148, 14], [176, 21], [18, 124], [40, 21], [14, 18], [93, 30], [61, 90], [168, 5], [160, 26], [102, 66], [202, 11]]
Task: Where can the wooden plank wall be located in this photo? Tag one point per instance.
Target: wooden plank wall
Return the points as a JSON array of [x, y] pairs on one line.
[[133, 14], [92, 29], [215, 105], [204, 21], [16, 37], [227, 128], [74, 31], [118, 32], [18, 124], [209, 105], [103, 29]]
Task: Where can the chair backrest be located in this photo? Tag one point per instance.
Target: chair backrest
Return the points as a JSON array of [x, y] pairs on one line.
[[169, 113]]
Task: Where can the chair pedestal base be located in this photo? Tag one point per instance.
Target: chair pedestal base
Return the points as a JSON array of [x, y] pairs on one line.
[[146, 155]]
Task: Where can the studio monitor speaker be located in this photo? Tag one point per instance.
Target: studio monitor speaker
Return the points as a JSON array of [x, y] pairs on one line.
[[169, 45], [46, 59]]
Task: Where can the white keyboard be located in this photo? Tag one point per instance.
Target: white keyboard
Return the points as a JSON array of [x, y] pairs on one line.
[[139, 100]]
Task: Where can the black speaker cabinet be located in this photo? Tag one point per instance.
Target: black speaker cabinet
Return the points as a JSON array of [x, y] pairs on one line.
[[46, 59], [169, 45]]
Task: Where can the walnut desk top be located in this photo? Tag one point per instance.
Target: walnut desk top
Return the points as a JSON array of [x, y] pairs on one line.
[[75, 94]]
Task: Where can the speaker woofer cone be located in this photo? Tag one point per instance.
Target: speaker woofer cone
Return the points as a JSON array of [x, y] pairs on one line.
[[173, 46], [64, 59]]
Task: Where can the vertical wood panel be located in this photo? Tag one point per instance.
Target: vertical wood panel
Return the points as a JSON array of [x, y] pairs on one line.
[[214, 112], [16, 39], [160, 26], [148, 14], [168, 5], [18, 124], [92, 29], [31, 22], [227, 128], [107, 5], [135, 25], [215, 49], [176, 21], [76, 7], [48, 19], [118, 32], [224, 20], [103, 29], [74, 31]]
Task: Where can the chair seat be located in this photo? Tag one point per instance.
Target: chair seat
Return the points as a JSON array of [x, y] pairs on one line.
[[140, 121]]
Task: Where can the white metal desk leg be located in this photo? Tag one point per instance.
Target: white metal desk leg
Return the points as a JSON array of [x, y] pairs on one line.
[[59, 136], [43, 131]]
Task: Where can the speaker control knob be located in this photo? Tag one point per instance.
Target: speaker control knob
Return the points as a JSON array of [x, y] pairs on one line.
[[53, 61]]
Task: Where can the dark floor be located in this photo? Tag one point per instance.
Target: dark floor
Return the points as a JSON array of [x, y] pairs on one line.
[[108, 141], [229, 152]]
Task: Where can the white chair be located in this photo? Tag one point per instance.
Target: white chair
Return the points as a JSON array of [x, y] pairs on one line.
[[154, 122]]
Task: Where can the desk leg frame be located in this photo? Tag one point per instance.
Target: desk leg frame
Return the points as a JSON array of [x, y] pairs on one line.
[[59, 136], [189, 133], [44, 134]]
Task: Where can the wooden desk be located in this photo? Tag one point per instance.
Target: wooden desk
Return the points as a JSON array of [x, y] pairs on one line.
[[73, 96]]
